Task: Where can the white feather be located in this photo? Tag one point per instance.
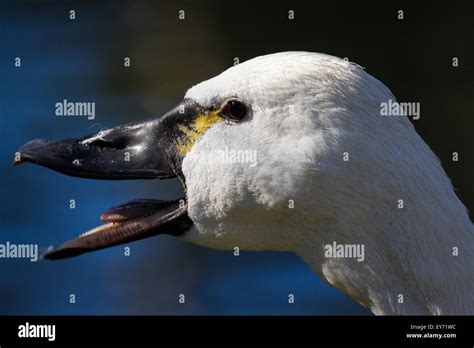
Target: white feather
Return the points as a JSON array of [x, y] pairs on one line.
[[307, 109]]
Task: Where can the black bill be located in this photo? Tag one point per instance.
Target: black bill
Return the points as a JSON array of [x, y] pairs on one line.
[[141, 150], [132, 151], [129, 222]]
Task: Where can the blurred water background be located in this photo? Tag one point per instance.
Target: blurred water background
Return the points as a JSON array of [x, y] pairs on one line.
[[82, 60]]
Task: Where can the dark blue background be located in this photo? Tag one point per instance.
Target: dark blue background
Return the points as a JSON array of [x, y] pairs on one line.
[[82, 60]]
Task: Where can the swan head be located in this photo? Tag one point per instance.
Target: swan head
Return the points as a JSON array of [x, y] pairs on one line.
[[268, 150], [289, 165]]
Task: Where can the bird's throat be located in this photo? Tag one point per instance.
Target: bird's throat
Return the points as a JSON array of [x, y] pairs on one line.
[[401, 273]]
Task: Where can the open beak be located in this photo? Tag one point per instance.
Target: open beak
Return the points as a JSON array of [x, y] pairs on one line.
[[142, 150]]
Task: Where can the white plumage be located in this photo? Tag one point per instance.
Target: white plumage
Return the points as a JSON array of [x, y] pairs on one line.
[[307, 110]]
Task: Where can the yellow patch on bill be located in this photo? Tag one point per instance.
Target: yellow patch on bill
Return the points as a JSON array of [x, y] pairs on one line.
[[194, 131]]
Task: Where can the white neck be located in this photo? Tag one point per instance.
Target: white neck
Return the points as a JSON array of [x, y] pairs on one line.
[[419, 258], [408, 257]]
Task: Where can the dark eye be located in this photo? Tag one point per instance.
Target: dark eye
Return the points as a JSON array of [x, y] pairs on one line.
[[234, 110]]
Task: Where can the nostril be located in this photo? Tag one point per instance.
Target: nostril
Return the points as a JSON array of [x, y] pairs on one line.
[[102, 144], [117, 144]]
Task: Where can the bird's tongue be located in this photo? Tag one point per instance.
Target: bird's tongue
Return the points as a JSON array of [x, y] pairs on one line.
[[128, 222], [137, 208]]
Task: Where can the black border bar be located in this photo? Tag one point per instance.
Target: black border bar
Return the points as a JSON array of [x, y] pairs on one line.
[[241, 329]]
